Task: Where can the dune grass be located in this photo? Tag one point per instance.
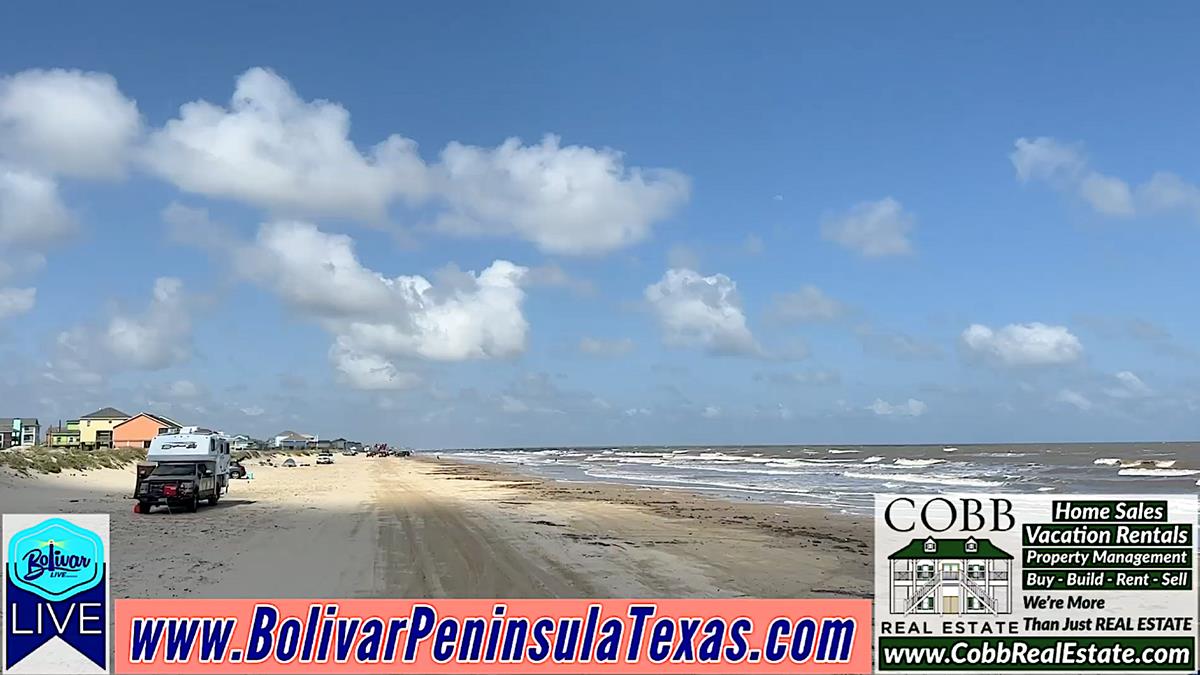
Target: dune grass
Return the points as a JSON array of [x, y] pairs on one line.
[[41, 459]]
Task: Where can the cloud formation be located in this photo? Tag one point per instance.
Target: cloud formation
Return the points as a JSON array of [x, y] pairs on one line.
[[67, 122], [374, 318], [15, 301], [872, 229], [809, 304], [1067, 169], [910, 408], [700, 311], [564, 199], [271, 148], [153, 339], [1031, 344]]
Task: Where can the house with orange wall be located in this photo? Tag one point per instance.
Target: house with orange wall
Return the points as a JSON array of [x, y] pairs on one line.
[[139, 430]]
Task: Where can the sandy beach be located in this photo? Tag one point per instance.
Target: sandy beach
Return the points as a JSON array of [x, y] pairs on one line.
[[424, 527]]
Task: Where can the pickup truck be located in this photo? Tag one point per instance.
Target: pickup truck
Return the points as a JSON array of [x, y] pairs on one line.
[[176, 485]]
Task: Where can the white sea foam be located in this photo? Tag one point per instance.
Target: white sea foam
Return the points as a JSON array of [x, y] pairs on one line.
[[691, 481], [1107, 461], [917, 462], [949, 449], [836, 451], [1158, 473], [930, 479], [873, 459]]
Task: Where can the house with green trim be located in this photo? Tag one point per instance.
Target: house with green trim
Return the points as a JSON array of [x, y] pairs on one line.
[[950, 576]]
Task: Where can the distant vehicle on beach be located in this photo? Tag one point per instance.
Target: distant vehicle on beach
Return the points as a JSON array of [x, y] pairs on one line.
[[325, 457], [236, 470]]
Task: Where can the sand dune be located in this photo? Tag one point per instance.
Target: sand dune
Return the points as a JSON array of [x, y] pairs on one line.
[[392, 527]]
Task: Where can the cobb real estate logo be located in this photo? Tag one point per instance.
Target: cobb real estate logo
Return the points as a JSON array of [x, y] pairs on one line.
[[56, 594], [1035, 583]]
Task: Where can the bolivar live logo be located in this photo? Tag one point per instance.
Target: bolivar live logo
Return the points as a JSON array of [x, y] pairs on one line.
[[56, 594]]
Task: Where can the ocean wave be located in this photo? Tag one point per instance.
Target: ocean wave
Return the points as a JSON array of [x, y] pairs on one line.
[[873, 459], [1159, 473], [644, 479], [917, 462], [949, 449], [930, 479], [1107, 461], [838, 451]]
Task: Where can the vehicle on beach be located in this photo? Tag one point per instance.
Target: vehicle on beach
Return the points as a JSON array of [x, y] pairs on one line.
[[325, 457], [236, 470], [182, 469]]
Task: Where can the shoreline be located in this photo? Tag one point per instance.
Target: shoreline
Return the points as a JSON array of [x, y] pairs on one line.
[[423, 527]]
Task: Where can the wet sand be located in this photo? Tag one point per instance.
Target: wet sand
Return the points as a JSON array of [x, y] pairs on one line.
[[422, 527]]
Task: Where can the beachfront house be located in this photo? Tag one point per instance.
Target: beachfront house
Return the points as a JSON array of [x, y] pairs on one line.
[[139, 430], [290, 440], [63, 436], [23, 431], [243, 443], [950, 576], [96, 429]]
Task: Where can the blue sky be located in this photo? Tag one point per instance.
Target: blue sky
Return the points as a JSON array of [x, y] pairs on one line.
[[757, 222]]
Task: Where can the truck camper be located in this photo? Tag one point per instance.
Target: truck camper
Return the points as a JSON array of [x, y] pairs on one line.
[[183, 468]]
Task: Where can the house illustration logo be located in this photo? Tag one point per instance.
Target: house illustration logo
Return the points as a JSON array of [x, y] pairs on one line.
[[950, 576], [56, 594]]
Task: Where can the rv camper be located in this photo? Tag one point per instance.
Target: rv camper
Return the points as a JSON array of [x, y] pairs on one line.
[[183, 468]]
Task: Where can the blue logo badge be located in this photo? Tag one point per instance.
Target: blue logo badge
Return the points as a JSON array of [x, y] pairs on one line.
[[56, 559], [55, 586]]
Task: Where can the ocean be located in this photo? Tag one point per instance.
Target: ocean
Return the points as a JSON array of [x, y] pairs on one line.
[[846, 477]]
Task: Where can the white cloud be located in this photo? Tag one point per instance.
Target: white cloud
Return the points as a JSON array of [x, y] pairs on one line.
[[15, 301], [253, 411], [807, 304], [273, 149], [694, 310], [1046, 159], [1032, 344], [184, 389], [607, 348], [873, 229], [67, 122], [31, 211], [369, 372], [1073, 398], [711, 412], [1108, 195], [1066, 169], [374, 318], [1128, 385], [1167, 192], [910, 408], [569, 200], [156, 338]]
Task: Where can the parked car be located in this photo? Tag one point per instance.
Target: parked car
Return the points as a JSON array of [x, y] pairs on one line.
[[236, 470], [289, 462], [325, 457]]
